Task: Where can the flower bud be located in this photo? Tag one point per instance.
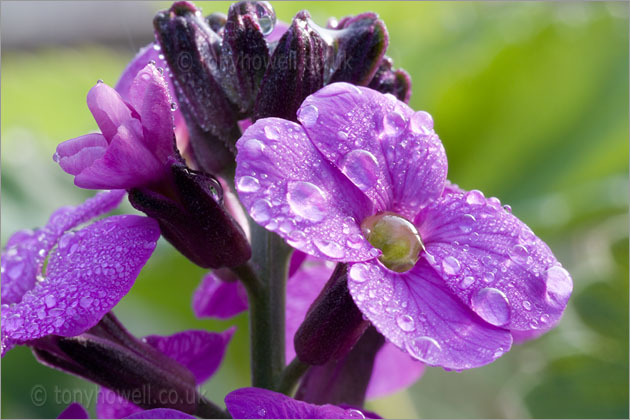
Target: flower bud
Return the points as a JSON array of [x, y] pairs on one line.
[[332, 325], [193, 219], [387, 80]]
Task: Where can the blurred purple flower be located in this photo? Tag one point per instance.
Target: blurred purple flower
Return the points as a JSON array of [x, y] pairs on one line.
[[77, 411], [136, 141], [201, 352], [88, 270], [444, 277], [257, 403]]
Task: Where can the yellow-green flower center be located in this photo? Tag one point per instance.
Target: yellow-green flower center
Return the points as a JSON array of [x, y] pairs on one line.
[[396, 237]]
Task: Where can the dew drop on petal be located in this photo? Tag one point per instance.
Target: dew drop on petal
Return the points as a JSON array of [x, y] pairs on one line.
[[308, 115], [272, 132], [406, 323], [260, 211], [50, 301], [425, 349], [86, 301], [354, 414], [306, 200], [451, 266], [466, 282], [527, 305], [394, 123], [355, 241], [329, 248], [492, 306], [247, 184], [488, 276], [544, 318], [341, 135], [56, 157], [558, 286], [254, 148], [359, 273], [261, 412], [361, 167], [475, 197], [421, 122], [466, 223], [519, 254]]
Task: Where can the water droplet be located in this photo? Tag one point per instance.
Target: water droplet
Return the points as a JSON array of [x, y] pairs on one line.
[[56, 157], [254, 148], [519, 254], [13, 323], [16, 269], [488, 277], [355, 241], [466, 223], [558, 286], [58, 322], [492, 306], [475, 197], [272, 132], [260, 211], [65, 240], [50, 301], [544, 318], [261, 412], [99, 81], [329, 248], [406, 323], [499, 352], [296, 239], [247, 184], [308, 115], [394, 123], [421, 122], [156, 47], [361, 167], [466, 282], [173, 105], [359, 273], [306, 200], [341, 135], [507, 208], [354, 414], [425, 349], [451, 266]]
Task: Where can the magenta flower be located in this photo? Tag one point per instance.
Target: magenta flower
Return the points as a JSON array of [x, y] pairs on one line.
[[88, 271], [136, 141], [201, 352], [445, 278], [77, 411], [258, 403]]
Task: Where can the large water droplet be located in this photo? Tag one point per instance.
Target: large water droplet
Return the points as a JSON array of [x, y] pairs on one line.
[[50, 301], [254, 148], [306, 200], [272, 132], [261, 211], [558, 286], [488, 277], [247, 184], [421, 122], [359, 273], [354, 414], [466, 282], [56, 157], [425, 349], [475, 197], [394, 123], [308, 115], [466, 223], [527, 305], [361, 167], [492, 306], [451, 266], [86, 301], [329, 248], [355, 241], [519, 254], [266, 17], [406, 323]]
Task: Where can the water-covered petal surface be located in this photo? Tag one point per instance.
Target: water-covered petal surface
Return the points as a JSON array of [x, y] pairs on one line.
[[416, 312], [493, 262], [289, 188]]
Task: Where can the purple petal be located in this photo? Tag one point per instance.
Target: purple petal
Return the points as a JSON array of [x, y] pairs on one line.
[[160, 413], [127, 163], [218, 298], [278, 30], [89, 273], [108, 108], [289, 188], [493, 262], [257, 403], [393, 371], [74, 411], [26, 250], [416, 312], [385, 148], [200, 351], [76, 154], [110, 405]]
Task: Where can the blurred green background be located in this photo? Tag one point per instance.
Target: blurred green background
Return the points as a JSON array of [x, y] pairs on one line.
[[531, 103]]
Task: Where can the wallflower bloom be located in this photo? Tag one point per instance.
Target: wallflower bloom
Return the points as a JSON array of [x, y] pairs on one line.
[[88, 270], [446, 277], [77, 411]]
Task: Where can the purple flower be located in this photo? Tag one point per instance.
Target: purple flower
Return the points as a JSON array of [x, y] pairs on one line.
[[200, 352], [257, 403], [220, 295], [136, 141], [446, 277], [88, 271], [77, 411]]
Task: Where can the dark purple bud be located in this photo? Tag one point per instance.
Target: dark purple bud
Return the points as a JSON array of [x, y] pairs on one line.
[[244, 53], [387, 80], [360, 42], [343, 381], [193, 219], [192, 51], [295, 71], [333, 323]]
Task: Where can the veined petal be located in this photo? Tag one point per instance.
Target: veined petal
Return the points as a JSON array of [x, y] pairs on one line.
[[387, 150], [493, 262], [289, 187], [76, 154], [416, 312], [108, 108], [393, 370], [89, 273], [217, 298]]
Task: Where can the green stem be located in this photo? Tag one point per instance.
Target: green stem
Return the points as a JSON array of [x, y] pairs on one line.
[[208, 410], [270, 260], [291, 375]]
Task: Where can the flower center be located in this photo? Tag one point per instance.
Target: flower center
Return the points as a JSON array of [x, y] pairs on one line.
[[396, 237]]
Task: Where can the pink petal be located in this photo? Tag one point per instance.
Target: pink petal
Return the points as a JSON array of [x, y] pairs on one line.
[[393, 370], [218, 298], [76, 154], [493, 262], [288, 187], [389, 152], [417, 313], [108, 108]]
